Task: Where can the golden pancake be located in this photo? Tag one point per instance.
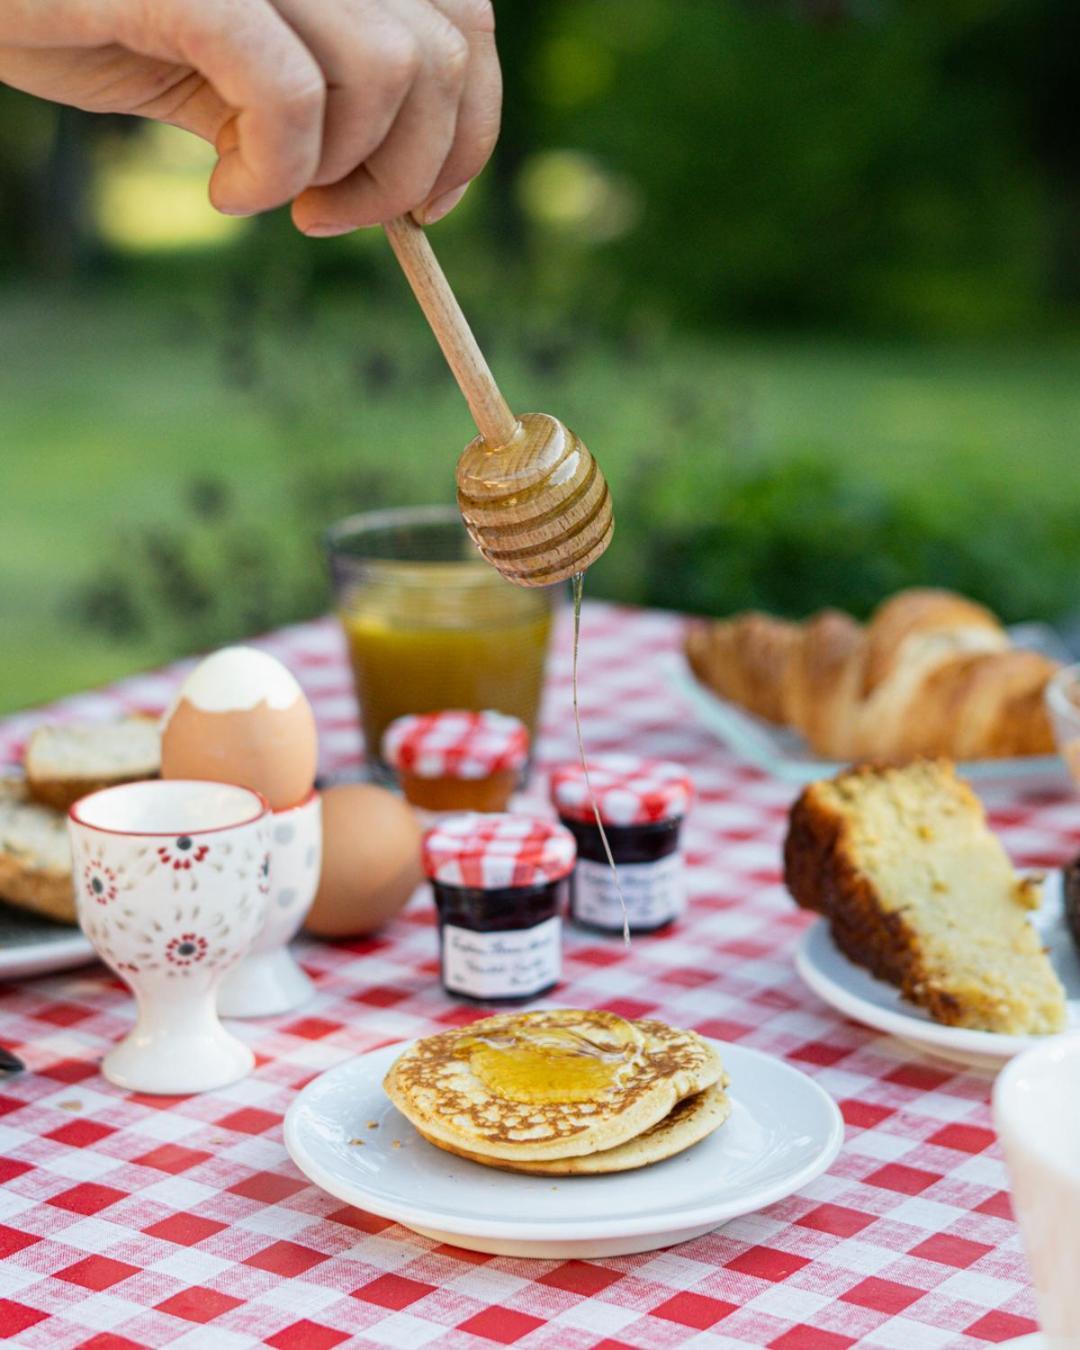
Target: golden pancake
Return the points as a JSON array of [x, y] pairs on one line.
[[532, 1087], [693, 1119]]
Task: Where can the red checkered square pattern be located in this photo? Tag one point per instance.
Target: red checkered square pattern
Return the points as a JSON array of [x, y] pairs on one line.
[[130, 1221], [199, 1305]]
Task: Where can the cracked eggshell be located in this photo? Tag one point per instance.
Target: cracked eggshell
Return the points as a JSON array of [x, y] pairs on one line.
[[240, 717]]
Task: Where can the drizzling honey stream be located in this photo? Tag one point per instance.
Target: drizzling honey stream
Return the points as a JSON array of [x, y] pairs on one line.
[[578, 585]]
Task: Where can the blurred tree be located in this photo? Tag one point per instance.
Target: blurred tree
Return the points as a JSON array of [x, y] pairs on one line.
[[66, 237], [26, 128], [46, 169], [803, 161], [519, 34], [1035, 47]]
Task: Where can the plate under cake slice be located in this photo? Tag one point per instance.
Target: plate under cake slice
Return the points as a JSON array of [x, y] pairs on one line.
[[918, 890]]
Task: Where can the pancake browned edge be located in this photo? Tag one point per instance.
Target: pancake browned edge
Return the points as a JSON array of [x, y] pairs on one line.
[[692, 1120], [437, 1090]]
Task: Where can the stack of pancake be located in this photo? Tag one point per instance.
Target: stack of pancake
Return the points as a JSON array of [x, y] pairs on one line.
[[561, 1092]]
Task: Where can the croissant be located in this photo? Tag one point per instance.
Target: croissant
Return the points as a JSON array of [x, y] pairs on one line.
[[931, 674]]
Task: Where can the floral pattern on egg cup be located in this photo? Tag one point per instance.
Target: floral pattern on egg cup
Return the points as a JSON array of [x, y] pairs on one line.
[[101, 883], [172, 933], [136, 942], [269, 980], [182, 854], [186, 950]]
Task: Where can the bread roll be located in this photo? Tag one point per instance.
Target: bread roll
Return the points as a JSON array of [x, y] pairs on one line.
[[931, 674]]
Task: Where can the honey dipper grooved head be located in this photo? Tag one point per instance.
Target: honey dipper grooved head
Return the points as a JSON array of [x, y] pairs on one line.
[[538, 508]]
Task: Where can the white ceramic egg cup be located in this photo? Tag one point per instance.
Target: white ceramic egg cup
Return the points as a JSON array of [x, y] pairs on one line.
[[171, 887], [268, 980]]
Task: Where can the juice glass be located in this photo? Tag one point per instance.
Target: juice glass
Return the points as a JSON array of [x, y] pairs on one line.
[[430, 625]]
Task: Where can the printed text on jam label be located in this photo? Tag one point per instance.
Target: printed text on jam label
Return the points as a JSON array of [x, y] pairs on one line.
[[509, 964], [654, 892]]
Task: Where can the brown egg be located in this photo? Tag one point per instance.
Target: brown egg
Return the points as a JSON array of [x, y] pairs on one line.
[[241, 717], [371, 860]]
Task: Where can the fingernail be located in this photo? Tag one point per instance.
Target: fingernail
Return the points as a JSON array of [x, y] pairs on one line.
[[442, 206], [327, 231]]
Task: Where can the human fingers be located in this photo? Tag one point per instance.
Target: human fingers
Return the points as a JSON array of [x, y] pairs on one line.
[[260, 68], [61, 23], [477, 126], [371, 52], [401, 171]]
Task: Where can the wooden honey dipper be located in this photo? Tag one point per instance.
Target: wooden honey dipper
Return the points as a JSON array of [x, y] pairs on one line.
[[531, 495]]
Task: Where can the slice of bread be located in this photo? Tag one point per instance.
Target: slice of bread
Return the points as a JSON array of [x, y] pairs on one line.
[[64, 762], [35, 855], [917, 889]]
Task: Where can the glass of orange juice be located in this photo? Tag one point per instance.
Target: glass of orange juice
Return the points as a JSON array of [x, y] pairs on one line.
[[430, 625]]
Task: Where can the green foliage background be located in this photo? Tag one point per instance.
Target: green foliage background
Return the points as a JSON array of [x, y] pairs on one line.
[[803, 273]]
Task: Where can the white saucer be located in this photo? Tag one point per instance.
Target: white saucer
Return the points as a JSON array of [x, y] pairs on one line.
[[783, 1131], [853, 991]]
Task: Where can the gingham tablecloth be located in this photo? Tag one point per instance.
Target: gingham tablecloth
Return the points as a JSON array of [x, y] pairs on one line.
[[139, 1221]]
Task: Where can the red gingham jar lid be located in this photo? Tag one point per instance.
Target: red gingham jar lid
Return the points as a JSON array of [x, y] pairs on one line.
[[494, 850], [456, 744], [629, 790]]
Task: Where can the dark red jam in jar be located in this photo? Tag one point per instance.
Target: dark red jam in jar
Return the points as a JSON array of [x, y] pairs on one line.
[[642, 803], [500, 885]]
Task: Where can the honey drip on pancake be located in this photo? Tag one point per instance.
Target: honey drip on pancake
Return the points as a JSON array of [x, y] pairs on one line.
[[555, 1065], [578, 585]]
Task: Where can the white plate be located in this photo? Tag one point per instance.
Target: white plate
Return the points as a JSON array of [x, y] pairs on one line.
[[30, 945], [783, 1131], [784, 754], [853, 991]]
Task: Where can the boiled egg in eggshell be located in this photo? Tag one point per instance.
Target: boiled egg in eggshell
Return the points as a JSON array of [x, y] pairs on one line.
[[241, 717], [370, 860]]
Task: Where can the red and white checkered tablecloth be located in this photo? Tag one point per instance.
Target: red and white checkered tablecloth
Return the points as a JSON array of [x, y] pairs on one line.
[[138, 1221]]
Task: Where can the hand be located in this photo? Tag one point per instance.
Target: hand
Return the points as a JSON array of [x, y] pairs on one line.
[[353, 110]]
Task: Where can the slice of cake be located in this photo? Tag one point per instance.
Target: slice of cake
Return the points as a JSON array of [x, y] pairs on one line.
[[918, 890]]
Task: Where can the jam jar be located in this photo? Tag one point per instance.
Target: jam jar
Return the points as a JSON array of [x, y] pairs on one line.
[[641, 803], [457, 760], [500, 885]]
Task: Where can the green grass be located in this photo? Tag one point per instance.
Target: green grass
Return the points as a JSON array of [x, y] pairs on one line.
[[111, 406]]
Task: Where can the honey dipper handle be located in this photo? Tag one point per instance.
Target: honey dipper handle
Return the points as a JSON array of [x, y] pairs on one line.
[[493, 418]]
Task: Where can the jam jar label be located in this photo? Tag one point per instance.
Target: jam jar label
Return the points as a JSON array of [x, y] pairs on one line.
[[654, 892], [513, 963]]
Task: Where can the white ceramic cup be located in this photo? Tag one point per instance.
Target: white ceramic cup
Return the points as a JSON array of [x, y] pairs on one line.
[[1063, 704], [1037, 1114], [171, 886], [268, 980]]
